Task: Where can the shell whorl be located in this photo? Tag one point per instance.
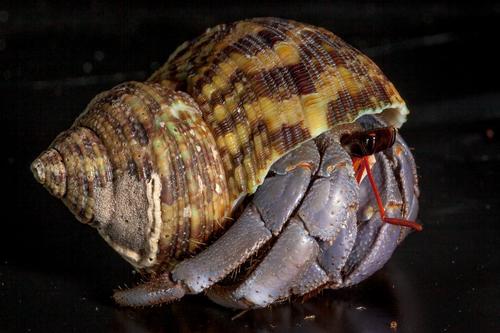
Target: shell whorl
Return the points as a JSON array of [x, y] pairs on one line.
[[73, 168], [266, 85], [141, 165]]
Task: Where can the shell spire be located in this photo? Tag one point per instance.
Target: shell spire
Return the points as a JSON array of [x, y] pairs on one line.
[[50, 171], [73, 168]]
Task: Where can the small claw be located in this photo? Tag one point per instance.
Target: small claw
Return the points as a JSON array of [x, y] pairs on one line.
[[395, 221], [406, 172], [378, 237], [157, 291]]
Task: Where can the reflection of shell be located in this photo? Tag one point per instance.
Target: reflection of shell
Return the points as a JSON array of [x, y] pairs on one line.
[[157, 171]]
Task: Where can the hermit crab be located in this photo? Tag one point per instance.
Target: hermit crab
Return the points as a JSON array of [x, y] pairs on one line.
[[261, 162]]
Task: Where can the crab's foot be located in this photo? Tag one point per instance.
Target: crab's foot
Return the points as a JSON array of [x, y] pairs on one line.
[[156, 291]]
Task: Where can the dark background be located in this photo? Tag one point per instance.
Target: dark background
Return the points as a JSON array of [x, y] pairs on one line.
[[57, 275]]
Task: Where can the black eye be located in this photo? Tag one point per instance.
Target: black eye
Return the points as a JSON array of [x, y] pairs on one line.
[[356, 149], [368, 142]]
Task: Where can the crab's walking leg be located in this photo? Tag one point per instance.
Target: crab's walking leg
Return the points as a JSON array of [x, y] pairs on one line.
[[198, 273], [311, 279], [326, 216], [291, 256], [157, 291], [264, 216]]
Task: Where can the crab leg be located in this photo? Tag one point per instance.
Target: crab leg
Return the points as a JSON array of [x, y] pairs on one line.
[[312, 279], [194, 275], [288, 259], [332, 200], [327, 216], [156, 291]]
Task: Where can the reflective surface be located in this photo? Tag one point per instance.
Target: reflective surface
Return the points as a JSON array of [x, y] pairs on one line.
[[58, 275]]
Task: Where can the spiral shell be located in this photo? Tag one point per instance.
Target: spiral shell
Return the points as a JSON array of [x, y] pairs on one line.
[[158, 171], [141, 165]]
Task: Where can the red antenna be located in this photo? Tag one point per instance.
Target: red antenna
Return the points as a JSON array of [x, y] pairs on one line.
[[360, 165]]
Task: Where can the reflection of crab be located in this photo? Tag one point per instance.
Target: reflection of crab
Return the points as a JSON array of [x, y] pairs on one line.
[[285, 109]]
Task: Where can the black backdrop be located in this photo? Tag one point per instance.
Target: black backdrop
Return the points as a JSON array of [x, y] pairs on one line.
[[57, 275]]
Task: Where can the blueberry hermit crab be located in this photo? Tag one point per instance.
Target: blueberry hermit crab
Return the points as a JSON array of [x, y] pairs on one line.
[[261, 162]]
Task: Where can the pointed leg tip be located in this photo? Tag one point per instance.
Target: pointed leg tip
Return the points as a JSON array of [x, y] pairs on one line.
[[155, 292]]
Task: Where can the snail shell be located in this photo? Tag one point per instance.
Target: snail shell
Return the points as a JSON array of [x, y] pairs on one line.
[[158, 171]]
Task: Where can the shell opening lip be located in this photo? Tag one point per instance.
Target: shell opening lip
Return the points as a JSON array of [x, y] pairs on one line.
[[50, 171]]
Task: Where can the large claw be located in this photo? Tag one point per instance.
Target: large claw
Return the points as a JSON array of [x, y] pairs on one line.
[[332, 201]]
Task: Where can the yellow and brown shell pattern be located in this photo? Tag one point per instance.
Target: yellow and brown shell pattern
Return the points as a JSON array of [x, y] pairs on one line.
[[204, 130], [266, 85]]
